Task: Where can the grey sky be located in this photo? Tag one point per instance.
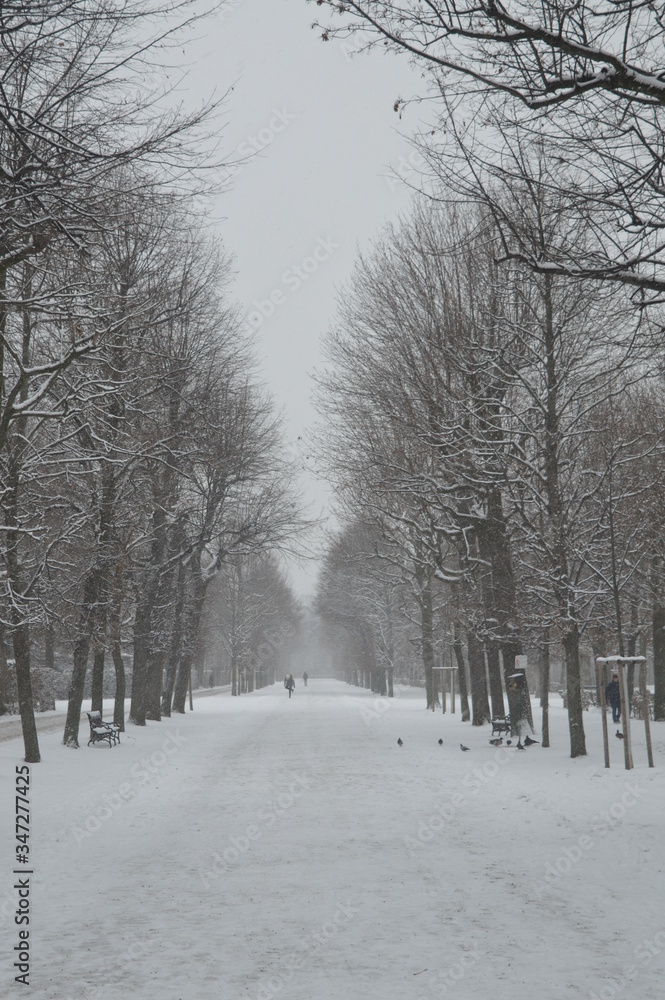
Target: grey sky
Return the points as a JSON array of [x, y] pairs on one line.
[[296, 212]]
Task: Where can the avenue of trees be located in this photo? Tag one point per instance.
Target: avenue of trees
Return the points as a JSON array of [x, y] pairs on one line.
[[495, 437], [252, 626], [495, 375], [139, 454]]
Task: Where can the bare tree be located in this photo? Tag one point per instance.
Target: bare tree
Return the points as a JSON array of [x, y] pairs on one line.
[[583, 82], [72, 111]]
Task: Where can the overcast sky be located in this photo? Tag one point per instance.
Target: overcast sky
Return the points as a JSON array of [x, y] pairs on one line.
[[322, 186]]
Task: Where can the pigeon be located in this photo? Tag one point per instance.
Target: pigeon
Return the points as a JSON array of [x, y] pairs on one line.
[[519, 746], [440, 743], [497, 743], [399, 742], [528, 742], [509, 743], [619, 735], [462, 747]]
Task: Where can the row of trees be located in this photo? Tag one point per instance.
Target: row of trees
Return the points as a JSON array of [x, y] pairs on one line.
[[502, 432], [138, 451], [252, 624], [498, 369]]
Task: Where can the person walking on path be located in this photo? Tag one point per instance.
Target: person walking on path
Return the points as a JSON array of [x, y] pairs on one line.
[[304, 677], [613, 696], [289, 684]]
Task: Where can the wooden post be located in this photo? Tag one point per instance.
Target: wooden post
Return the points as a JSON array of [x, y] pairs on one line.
[[603, 709], [452, 690], [443, 691], [625, 717], [645, 709], [191, 700]]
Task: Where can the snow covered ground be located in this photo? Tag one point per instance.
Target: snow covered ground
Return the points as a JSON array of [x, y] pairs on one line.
[[265, 847]]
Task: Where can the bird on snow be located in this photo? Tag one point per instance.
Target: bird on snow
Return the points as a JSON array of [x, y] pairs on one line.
[[528, 742], [509, 743], [462, 747], [498, 742], [519, 746], [399, 742], [619, 735], [440, 743]]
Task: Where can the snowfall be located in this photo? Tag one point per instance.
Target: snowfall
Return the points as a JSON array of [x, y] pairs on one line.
[[267, 847]]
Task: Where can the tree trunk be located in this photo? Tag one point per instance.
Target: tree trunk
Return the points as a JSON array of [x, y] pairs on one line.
[[175, 646], [571, 645], [153, 710], [631, 647], [47, 704], [479, 700], [21, 642], [15, 443], [97, 692], [182, 684], [143, 621], [140, 659], [461, 675], [119, 703], [496, 688], [427, 637], [114, 619], [659, 660], [191, 638], [545, 688], [7, 694], [81, 651], [234, 673], [499, 600]]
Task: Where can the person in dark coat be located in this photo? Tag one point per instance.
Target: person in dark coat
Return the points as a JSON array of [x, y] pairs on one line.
[[289, 684], [304, 677], [613, 696]]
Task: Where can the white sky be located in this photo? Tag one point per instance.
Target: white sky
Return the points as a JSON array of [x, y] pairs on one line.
[[323, 175]]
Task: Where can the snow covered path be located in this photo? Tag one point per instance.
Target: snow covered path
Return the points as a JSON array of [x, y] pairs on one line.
[[264, 847]]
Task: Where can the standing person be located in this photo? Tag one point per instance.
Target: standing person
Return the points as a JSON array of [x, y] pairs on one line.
[[304, 677], [289, 684], [613, 695]]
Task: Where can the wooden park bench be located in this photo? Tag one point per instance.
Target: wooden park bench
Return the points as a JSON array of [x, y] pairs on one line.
[[501, 724], [100, 731]]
